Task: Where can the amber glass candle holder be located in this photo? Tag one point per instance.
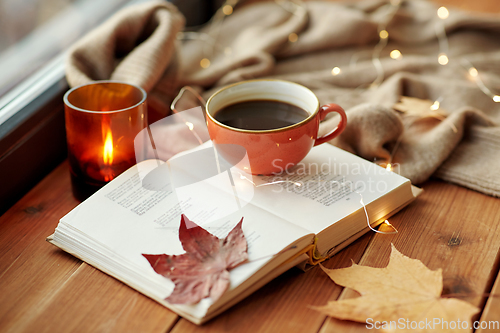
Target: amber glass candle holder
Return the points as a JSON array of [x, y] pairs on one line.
[[102, 120]]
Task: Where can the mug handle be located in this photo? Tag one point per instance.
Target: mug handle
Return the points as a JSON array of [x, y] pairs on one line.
[[323, 111]]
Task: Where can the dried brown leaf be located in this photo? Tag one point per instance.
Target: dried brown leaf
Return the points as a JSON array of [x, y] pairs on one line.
[[203, 271]]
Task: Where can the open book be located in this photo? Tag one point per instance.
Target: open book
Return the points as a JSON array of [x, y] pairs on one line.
[[308, 212]]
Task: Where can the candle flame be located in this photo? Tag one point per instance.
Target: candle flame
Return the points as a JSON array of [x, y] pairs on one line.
[[108, 149]]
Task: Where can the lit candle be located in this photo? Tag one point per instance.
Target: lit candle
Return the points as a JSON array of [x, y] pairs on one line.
[[102, 120]]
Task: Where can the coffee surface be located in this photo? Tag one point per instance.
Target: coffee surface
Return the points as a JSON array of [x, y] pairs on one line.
[[260, 115]]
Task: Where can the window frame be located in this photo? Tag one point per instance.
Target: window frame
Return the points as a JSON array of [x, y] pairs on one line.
[[32, 134], [32, 130]]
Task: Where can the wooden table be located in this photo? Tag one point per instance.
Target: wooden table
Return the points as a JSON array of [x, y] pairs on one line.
[[43, 289]]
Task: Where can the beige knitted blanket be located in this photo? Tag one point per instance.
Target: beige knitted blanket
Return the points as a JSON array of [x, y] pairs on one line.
[[256, 41]]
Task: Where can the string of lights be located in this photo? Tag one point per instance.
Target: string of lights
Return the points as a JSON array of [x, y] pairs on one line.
[[391, 9]]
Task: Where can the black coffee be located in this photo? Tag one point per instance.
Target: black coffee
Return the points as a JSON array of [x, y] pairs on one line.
[[260, 115]]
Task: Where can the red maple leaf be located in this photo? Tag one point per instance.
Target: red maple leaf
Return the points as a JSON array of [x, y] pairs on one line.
[[203, 271]]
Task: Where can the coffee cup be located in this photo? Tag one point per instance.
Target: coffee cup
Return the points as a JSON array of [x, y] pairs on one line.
[[275, 122]]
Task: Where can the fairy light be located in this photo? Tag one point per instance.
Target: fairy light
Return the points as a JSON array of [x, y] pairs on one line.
[[293, 37], [443, 13], [392, 9], [443, 59], [296, 8], [204, 63], [396, 54], [189, 124], [383, 34], [210, 37], [387, 228], [473, 72], [227, 10], [435, 106]]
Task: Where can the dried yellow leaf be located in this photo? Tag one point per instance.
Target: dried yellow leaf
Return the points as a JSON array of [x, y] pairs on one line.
[[412, 106], [422, 108], [405, 291]]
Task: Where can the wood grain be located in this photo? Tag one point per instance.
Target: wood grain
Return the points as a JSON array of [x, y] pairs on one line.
[[45, 289], [111, 305], [285, 303], [490, 317], [29, 269], [448, 227]]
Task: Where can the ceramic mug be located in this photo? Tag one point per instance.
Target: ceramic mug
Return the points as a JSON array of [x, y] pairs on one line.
[[274, 150]]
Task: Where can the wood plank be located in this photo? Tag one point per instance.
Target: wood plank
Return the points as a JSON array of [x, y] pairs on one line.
[[284, 303], [29, 268], [485, 6], [45, 289], [448, 227], [39, 282], [490, 317], [35, 216], [111, 305]]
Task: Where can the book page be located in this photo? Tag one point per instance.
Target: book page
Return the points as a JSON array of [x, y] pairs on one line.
[[328, 185], [126, 219]]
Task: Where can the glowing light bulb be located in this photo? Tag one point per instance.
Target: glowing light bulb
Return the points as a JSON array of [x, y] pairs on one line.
[[443, 13], [293, 37], [443, 59], [496, 99], [435, 106], [388, 167], [396, 54], [473, 72], [336, 71], [204, 63], [383, 34], [227, 10]]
